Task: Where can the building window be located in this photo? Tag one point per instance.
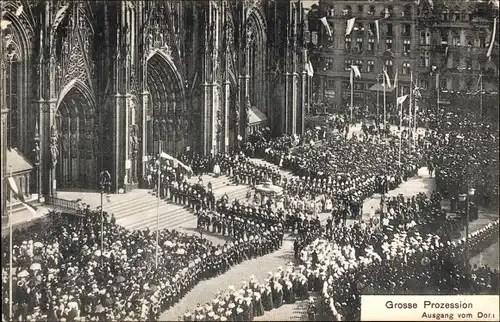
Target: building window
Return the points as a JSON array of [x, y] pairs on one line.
[[388, 66], [372, 31], [11, 83], [406, 30], [359, 63], [388, 44], [406, 47], [371, 11], [425, 37], [360, 8], [425, 59], [406, 68], [424, 84], [455, 40], [468, 63], [347, 64], [348, 42], [370, 66], [359, 27], [347, 11], [444, 39], [331, 12], [389, 29], [371, 44], [359, 45]]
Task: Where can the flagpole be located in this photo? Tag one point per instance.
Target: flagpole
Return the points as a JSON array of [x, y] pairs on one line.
[[481, 94], [437, 87], [384, 102], [415, 121], [11, 317], [158, 210], [352, 93], [378, 98], [400, 131], [410, 120]]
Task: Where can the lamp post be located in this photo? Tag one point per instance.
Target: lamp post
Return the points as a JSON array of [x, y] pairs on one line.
[[466, 198], [105, 185]]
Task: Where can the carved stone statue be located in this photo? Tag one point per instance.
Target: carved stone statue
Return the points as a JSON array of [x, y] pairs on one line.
[[54, 150], [170, 126], [219, 121], [156, 129], [247, 110], [133, 142], [36, 150], [186, 127], [88, 144], [74, 144], [164, 129], [237, 114], [179, 125]]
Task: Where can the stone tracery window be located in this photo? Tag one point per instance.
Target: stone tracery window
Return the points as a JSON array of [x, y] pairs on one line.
[[12, 97]]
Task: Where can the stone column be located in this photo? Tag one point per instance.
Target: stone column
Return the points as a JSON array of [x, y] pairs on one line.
[[3, 139], [143, 132], [205, 127], [48, 133], [304, 98], [227, 107]]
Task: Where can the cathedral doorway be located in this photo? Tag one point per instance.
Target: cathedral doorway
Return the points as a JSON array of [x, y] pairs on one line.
[[76, 130], [168, 123]]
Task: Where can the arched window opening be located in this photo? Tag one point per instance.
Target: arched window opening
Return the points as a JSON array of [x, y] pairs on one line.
[[12, 97]]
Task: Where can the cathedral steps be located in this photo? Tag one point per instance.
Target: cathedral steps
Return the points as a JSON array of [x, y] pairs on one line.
[[140, 211]]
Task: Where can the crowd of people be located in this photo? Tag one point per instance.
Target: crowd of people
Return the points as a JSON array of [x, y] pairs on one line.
[[61, 273], [464, 153]]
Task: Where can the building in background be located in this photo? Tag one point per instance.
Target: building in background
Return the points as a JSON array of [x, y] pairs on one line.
[[454, 67], [390, 46], [88, 86], [443, 44]]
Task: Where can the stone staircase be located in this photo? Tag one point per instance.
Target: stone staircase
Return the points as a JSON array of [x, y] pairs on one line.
[[140, 210]]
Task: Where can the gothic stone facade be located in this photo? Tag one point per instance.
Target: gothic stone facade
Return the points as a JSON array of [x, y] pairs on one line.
[[98, 85]]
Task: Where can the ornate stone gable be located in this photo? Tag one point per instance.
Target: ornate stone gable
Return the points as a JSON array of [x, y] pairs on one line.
[[74, 50], [162, 30]]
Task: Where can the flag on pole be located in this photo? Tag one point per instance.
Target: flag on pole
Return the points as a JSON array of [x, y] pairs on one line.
[[166, 156], [437, 81], [309, 68], [17, 194], [401, 99], [492, 41], [327, 26], [350, 26], [396, 79], [478, 82], [387, 78], [446, 51], [377, 28], [416, 93], [356, 71]]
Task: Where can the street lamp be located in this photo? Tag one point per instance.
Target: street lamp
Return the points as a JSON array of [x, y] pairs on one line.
[[466, 198], [105, 185]]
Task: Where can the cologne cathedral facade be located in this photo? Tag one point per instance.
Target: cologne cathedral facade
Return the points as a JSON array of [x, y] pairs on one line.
[[88, 86]]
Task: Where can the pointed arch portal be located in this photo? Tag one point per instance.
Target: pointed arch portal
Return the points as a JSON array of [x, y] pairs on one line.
[[167, 122], [257, 62], [76, 124]]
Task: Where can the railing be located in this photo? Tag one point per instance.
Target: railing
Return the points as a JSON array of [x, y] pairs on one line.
[[63, 204]]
